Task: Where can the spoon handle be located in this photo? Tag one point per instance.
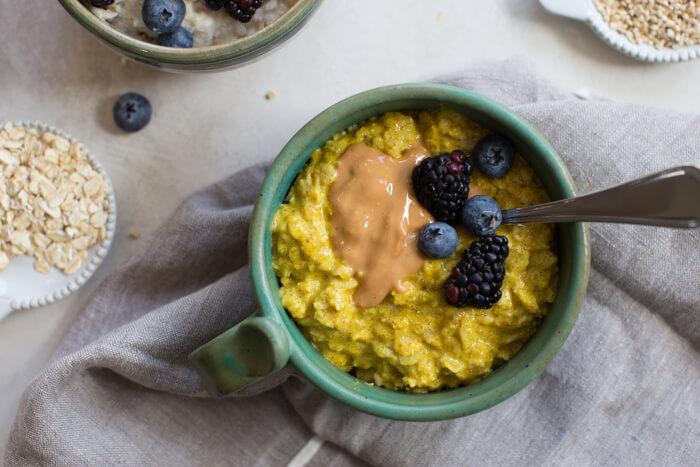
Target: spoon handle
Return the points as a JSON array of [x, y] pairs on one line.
[[670, 198]]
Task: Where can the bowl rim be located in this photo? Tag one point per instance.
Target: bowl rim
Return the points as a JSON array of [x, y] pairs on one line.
[[375, 400], [279, 30]]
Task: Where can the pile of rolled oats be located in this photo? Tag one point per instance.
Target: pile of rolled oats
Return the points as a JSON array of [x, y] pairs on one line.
[[660, 23], [53, 203]]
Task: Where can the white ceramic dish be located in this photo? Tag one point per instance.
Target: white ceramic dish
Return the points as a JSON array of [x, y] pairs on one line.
[[584, 10], [22, 288]]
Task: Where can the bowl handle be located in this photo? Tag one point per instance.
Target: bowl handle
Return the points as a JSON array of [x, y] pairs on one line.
[[246, 353]]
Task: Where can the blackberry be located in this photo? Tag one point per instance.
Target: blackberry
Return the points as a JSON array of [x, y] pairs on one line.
[[441, 184], [242, 10], [476, 280], [101, 3], [215, 4]]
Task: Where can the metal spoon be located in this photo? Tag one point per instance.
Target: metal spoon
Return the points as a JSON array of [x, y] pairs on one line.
[[670, 198]]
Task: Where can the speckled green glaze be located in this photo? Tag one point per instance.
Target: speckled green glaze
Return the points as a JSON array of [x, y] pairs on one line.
[[573, 245], [200, 59]]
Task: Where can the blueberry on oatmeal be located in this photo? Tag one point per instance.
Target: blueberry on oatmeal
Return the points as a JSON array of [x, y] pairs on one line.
[[481, 215], [180, 38], [162, 16]]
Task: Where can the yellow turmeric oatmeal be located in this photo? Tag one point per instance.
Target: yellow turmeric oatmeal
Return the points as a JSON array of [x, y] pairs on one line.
[[413, 340]]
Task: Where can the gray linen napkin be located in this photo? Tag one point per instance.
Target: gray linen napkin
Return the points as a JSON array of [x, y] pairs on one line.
[[624, 389]]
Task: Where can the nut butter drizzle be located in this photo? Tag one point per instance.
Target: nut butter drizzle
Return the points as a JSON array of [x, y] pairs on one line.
[[376, 219]]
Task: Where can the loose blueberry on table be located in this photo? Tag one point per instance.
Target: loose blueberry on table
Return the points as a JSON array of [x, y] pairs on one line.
[[476, 280], [132, 112], [441, 184], [241, 10]]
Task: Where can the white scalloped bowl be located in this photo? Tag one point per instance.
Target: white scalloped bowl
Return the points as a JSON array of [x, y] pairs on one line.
[[21, 287], [585, 11]]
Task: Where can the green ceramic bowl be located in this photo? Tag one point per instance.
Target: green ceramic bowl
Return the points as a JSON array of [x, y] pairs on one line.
[[271, 340], [212, 58]]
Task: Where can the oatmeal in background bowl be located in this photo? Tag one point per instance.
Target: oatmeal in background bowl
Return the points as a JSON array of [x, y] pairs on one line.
[[208, 26], [192, 35]]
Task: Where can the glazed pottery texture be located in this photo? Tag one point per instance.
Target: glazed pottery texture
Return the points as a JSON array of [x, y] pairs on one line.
[[212, 58], [271, 340]]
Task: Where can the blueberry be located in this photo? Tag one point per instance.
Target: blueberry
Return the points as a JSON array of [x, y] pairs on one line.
[[481, 215], [493, 156], [437, 240], [163, 16], [132, 112], [180, 38]]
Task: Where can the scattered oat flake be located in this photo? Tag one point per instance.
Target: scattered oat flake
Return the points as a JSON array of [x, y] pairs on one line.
[[270, 95], [53, 203], [133, 233], [438, 17]]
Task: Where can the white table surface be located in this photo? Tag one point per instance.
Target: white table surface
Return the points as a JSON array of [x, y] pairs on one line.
[[207, 126]]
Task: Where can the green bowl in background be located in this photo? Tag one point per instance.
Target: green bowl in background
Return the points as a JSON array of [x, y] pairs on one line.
[[271, 340], [211, 58]]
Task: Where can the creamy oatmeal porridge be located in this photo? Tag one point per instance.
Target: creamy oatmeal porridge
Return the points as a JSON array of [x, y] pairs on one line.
[[208, 27]]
